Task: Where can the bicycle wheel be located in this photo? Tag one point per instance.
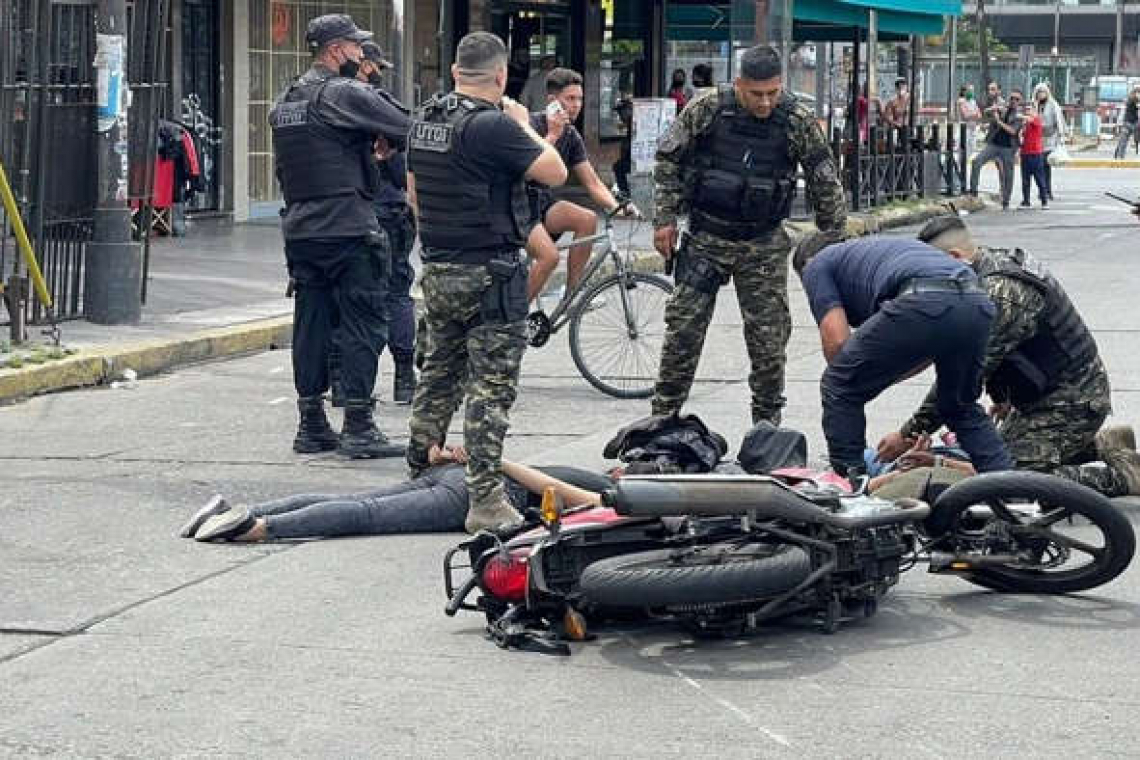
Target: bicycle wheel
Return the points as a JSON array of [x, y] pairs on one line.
[[616, 355]]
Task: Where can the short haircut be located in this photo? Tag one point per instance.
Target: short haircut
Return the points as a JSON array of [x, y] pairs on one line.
[[808, 248], [559, 79], [702, 75], [480, 53], [760, 62], [946, 233], [1018, 91]]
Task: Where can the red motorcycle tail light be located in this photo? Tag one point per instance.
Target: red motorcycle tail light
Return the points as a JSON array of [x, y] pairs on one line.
[[505, 577]]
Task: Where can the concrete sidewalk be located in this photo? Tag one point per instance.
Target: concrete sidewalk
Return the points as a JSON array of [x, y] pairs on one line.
[[219, 292]]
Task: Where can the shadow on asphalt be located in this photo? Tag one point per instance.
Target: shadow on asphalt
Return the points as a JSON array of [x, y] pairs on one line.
[[1077, 612], [796, 648], [791, 648]]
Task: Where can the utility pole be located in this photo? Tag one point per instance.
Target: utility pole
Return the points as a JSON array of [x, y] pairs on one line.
[[113, 270], [983, 45]]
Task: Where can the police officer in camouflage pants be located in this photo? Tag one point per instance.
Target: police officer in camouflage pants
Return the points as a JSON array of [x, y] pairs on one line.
[[1042, 368], [729, 161], [470, 153]]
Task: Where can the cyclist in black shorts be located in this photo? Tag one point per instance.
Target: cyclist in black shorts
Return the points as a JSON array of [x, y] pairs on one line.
[[553, 217]]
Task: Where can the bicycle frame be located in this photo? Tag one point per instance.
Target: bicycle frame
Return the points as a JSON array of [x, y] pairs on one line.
[[561, 314]]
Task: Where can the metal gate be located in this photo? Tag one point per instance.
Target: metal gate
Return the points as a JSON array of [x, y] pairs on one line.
[[47, 82]]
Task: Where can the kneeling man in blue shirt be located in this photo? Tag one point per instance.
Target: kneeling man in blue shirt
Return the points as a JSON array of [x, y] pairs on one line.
[[913, 305]]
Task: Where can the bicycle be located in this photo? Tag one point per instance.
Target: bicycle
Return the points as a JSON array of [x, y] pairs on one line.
[[617, 325]]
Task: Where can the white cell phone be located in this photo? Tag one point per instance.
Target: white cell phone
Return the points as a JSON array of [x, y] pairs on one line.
[[553, 108]]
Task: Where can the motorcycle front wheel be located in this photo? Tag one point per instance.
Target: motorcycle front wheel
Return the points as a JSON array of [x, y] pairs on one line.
[[1067, 537], [706, 575]]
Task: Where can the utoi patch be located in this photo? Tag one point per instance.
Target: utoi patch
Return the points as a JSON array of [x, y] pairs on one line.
[[433, 136]]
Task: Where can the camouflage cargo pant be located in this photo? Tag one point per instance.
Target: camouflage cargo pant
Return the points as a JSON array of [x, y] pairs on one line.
[[466, 358], [1060, 439], [759, 270]]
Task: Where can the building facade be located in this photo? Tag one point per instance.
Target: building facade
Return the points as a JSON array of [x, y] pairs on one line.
[[229, 60]]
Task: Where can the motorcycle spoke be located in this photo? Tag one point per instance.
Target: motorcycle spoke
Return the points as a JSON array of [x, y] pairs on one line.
[[1069, 542], [1050, 518]]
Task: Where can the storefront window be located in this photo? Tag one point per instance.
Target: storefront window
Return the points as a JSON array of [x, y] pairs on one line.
[[278, 54], [624, 61]]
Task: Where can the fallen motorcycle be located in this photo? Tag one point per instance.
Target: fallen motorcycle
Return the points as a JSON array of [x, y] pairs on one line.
[[720, 554]]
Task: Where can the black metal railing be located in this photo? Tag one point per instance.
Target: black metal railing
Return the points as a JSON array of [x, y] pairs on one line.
[[47, 146], [901, 164]]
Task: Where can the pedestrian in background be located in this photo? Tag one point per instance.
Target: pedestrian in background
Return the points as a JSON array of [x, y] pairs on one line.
[[678, 90], [1033, 157], [702, 80], [1129, 119], [969, 114], [1001, 140], [1055, 128], [327, 128]]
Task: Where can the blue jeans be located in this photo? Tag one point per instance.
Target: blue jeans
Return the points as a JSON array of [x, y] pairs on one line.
[[950, 329], [435, 502], [398, 223], [1033, 167]]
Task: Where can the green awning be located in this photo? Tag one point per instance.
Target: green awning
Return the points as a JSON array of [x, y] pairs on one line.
[[815, 20], [910, 7], [842, 15]]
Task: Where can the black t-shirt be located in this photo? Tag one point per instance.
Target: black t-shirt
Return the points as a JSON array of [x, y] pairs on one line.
[[860, 274], [1004, 139], [570, 146], [496, 145]]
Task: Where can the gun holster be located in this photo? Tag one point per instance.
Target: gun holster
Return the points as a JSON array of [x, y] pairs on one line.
[[697, 272], [504, 301]]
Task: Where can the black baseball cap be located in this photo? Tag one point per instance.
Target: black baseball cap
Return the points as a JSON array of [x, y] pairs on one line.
[[372, 52], [334, 26]]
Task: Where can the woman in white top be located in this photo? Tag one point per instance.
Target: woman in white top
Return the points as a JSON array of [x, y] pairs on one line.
[[1054, 128], [970, 114]]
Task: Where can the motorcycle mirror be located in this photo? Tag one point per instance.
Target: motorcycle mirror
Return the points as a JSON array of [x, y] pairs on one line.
[[551, 508]]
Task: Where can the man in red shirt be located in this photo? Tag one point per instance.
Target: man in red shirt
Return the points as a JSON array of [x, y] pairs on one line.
[[1033, 156]]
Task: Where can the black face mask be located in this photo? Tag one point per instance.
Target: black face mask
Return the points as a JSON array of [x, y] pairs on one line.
[[349, 68], [375, 80]]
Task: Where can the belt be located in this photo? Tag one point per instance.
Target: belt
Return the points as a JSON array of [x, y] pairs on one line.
[[473, 257], [938, 285], [732, 231]]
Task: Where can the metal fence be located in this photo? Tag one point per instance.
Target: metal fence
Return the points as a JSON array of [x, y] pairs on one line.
[[47, 84]]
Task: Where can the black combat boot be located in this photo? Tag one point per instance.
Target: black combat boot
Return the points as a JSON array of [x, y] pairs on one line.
[[360, 439], [314, 433], [404, 382]]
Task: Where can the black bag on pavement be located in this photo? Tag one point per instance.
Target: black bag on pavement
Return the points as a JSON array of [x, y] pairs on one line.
[[766, 447], [666, 444]]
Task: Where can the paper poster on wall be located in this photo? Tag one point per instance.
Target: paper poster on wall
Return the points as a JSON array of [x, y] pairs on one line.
[[651, 120]]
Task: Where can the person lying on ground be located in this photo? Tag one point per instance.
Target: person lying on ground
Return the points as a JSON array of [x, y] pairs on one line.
[[435, 502]]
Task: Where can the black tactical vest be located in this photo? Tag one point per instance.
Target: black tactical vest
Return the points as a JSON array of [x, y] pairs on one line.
[[1061, 346], [313, 159], [745, 179], [464, 215]]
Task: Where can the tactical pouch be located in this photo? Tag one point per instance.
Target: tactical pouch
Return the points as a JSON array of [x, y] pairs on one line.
[[699, 273], [719, 193], [759, 199], [504, 301], [1018, 381]]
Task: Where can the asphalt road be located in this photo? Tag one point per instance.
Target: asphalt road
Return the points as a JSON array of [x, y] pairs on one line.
[[118, 639]]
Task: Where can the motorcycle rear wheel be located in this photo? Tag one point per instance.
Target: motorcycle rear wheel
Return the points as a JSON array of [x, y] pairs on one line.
[[710, 575], [1054, 502]]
